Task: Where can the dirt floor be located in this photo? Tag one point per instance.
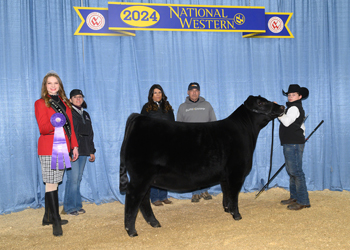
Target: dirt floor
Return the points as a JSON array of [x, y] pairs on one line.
[[265, 225]]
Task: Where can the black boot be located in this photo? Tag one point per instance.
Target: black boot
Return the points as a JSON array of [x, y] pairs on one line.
[[53, 206], [47, 219]]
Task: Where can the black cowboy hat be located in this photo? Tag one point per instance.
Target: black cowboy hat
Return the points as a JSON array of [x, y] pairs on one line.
[[304, 92]]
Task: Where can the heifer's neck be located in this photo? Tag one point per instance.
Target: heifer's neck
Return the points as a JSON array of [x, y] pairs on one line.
[[249, 121]]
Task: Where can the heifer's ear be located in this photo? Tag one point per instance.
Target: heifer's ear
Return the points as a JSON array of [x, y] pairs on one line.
[[249, 103]]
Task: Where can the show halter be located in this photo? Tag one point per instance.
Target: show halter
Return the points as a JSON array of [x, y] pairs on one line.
[[259, 111]]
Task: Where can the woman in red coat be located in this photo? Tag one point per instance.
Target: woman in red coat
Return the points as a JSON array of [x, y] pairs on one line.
[[53, 96]]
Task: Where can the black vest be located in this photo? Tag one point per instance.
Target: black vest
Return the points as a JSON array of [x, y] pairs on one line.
[[293, 134]]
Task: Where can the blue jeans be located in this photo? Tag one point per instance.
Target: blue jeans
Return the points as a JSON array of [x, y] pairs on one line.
[[200, 191], [158, 194], [72, 197], [293, 154]]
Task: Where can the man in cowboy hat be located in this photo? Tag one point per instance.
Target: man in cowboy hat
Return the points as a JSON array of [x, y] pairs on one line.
[[292, 137]]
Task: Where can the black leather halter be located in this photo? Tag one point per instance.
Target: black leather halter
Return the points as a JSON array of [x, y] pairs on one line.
[[258, 111]]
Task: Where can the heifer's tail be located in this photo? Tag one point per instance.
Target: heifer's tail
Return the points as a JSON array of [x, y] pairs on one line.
[[123, 177]]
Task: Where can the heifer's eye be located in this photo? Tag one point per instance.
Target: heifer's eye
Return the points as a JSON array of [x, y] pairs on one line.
[[261, 103]]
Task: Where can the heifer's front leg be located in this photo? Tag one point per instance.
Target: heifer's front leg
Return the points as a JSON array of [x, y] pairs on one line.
[[226, 194], [235, 189], [236, 215], [147, 211]]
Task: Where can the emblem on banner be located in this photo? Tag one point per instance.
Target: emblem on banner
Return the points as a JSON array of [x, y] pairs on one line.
[[275, 24], [95, 21], [239, 19]]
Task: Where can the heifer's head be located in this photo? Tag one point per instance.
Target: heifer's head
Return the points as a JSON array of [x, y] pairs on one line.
[[260, 105]]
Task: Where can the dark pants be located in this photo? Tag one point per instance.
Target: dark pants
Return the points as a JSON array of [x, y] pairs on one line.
[[158, 194], [293, 154]]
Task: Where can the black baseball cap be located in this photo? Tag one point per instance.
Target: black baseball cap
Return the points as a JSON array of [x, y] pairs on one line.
[[75, 92], [193, 85]]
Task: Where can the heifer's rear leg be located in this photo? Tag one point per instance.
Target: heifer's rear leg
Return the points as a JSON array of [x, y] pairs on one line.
[[147, 211], [133, 199], [130, 213]]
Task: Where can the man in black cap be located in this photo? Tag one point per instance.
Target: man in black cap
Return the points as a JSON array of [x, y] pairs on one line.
[[292, 137], [196, 109]]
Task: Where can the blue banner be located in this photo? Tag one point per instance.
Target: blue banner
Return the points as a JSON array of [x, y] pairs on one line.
[[178, 17], [123, 19]]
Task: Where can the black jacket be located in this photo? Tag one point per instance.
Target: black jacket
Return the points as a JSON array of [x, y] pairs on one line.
[[84, 132], [159, 114]]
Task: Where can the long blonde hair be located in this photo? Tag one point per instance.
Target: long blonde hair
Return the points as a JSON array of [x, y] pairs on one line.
[[61, 93]]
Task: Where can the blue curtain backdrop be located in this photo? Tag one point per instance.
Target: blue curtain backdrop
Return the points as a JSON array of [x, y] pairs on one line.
[[115, 74]]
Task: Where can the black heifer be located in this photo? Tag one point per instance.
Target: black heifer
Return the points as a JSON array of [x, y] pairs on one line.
[[187, 156]]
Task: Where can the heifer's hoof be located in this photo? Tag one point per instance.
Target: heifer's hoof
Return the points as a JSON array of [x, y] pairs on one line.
[[226, 209], [237, 216], [132, 233], [154, 224]]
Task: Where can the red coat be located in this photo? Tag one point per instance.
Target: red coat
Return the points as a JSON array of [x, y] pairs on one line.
[[43, 115]]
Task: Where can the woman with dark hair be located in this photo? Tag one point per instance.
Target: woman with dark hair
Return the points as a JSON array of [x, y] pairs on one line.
[[53, 100], [158, 107], [72, 204]]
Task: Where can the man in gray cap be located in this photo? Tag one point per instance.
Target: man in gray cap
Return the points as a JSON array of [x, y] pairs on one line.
[[196, 109]]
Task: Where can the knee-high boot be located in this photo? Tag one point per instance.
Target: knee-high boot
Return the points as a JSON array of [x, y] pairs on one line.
[[53, 206], [47, 219]]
